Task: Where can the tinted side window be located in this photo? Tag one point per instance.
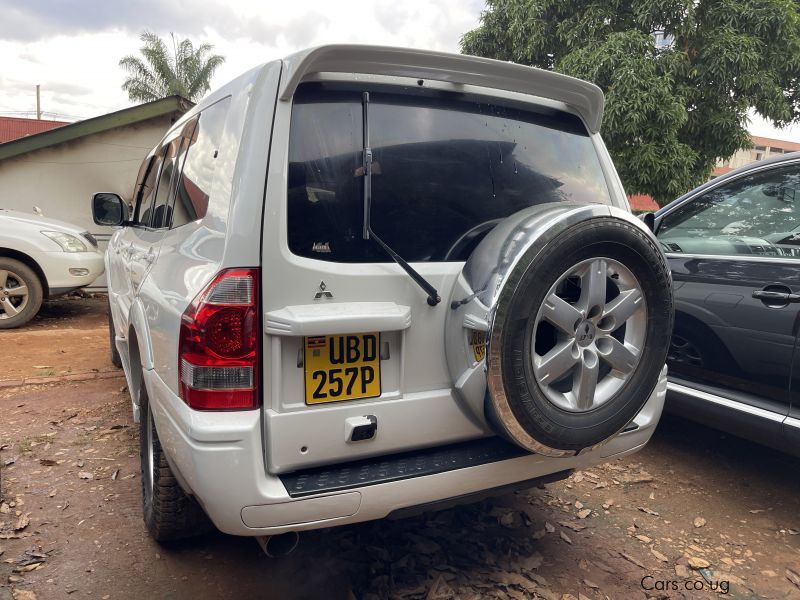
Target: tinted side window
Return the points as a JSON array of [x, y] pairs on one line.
[[755, 214], [144, 199], [161, 209], [446, 170], [202, 155], [144, 170]]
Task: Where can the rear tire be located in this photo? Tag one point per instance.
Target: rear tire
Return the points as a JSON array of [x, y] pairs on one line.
[[169, 513], [541, 409], [20, 293], [116, 360]]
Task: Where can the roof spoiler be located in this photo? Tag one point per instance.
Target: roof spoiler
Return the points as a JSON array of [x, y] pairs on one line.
[[586, 98]]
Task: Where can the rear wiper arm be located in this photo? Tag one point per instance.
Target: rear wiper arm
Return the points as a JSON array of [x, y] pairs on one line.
[[367, 233]]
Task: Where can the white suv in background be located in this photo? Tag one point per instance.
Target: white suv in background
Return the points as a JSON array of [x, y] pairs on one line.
[[364, 279], [41, 258]]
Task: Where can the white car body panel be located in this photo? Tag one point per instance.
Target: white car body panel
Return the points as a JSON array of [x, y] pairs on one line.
[[21, 232], [219, 452], [213, 453]]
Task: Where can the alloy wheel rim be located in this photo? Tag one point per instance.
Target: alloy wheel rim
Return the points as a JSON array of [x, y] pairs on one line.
[[14, 294], [588, 335]]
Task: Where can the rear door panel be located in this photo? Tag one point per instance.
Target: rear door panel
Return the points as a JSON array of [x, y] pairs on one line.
[[747, 346], [433, 201]]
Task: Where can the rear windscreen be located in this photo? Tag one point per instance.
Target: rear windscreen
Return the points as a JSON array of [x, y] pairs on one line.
[[446, 169]]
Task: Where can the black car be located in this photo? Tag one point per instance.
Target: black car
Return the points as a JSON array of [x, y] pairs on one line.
[[734, 249]]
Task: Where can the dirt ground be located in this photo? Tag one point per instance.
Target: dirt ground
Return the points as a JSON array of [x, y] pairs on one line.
[[45, 346], [694, 510]]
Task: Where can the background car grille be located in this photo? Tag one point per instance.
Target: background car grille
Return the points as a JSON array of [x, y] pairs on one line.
[[90, 238]]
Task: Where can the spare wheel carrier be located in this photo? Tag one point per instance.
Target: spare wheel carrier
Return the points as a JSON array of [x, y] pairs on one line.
[[574, 303]]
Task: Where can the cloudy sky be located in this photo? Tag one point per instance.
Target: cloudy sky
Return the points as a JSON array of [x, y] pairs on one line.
[[71, 48]]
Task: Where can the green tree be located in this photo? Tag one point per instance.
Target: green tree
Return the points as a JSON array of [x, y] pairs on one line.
[[184, 70], [672, 108]]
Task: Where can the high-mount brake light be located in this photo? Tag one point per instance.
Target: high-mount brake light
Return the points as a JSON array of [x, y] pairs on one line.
[[220, 344]]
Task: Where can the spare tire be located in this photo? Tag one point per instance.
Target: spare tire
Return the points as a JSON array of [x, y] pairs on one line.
[[578, 317]]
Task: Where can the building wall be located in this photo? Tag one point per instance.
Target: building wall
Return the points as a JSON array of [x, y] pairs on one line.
[[762, 148], [61, 179]]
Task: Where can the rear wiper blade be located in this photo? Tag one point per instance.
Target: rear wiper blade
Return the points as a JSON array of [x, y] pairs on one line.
[[368, 233]]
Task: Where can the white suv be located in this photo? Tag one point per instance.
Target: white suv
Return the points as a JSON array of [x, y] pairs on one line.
[[365, 279]]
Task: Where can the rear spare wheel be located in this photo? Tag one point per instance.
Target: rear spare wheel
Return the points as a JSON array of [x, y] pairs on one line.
[[575, 303]]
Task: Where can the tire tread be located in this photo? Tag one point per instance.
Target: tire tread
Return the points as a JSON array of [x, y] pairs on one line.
[[171, 514]]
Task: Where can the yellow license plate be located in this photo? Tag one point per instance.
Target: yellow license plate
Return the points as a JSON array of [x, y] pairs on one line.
[[477, 341], [342, 367]]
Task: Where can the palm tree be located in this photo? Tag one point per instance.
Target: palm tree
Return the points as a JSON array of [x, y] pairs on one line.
[[185, 71]]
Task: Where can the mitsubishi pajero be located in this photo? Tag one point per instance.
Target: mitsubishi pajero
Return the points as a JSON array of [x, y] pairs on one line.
[[363, 280]]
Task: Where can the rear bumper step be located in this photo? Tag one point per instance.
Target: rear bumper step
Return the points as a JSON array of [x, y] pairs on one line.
[[394, 467], [492, 492]]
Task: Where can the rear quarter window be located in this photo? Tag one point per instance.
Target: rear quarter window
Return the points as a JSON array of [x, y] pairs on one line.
[[446, 170], [202, 156]]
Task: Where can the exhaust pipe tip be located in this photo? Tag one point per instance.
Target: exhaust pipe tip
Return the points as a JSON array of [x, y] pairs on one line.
[[279, 545]]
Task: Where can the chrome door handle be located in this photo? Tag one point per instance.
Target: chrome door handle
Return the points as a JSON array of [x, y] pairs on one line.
[[783, 296], [776, 296]]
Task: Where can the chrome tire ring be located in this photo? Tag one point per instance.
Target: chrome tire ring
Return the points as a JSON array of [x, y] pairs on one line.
[[150, 463]]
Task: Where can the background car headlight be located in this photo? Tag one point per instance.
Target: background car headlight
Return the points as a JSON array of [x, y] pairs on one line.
[[68, 243]]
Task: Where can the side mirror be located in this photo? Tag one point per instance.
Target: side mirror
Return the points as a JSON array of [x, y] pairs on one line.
[[109, 209], [649, 220]]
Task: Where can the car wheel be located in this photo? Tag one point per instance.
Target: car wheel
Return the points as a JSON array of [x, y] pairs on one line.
[[169, 513], [559, 326], [20, 293], [682, 350], [112, 344], [694, 346], [582, 336]]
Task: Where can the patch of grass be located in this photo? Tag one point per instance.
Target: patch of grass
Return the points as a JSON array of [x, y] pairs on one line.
[[44, 372], [27, 444]]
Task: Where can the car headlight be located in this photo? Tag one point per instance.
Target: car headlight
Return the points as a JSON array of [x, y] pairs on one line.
[[68, 242]]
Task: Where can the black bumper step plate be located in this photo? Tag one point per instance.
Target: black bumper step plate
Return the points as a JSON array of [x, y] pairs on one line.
[[394, 467]]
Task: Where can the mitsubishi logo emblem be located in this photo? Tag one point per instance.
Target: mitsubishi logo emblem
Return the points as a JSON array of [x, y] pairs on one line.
[[585, 333], [323, 292]]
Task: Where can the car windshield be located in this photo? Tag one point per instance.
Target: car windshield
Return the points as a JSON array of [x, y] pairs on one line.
[[447, 168]]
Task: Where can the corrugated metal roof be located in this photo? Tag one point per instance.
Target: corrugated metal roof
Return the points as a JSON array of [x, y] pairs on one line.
[[175, 105], [12, 128]]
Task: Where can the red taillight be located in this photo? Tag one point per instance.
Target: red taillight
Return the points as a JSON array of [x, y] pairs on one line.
[[220, 342]]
